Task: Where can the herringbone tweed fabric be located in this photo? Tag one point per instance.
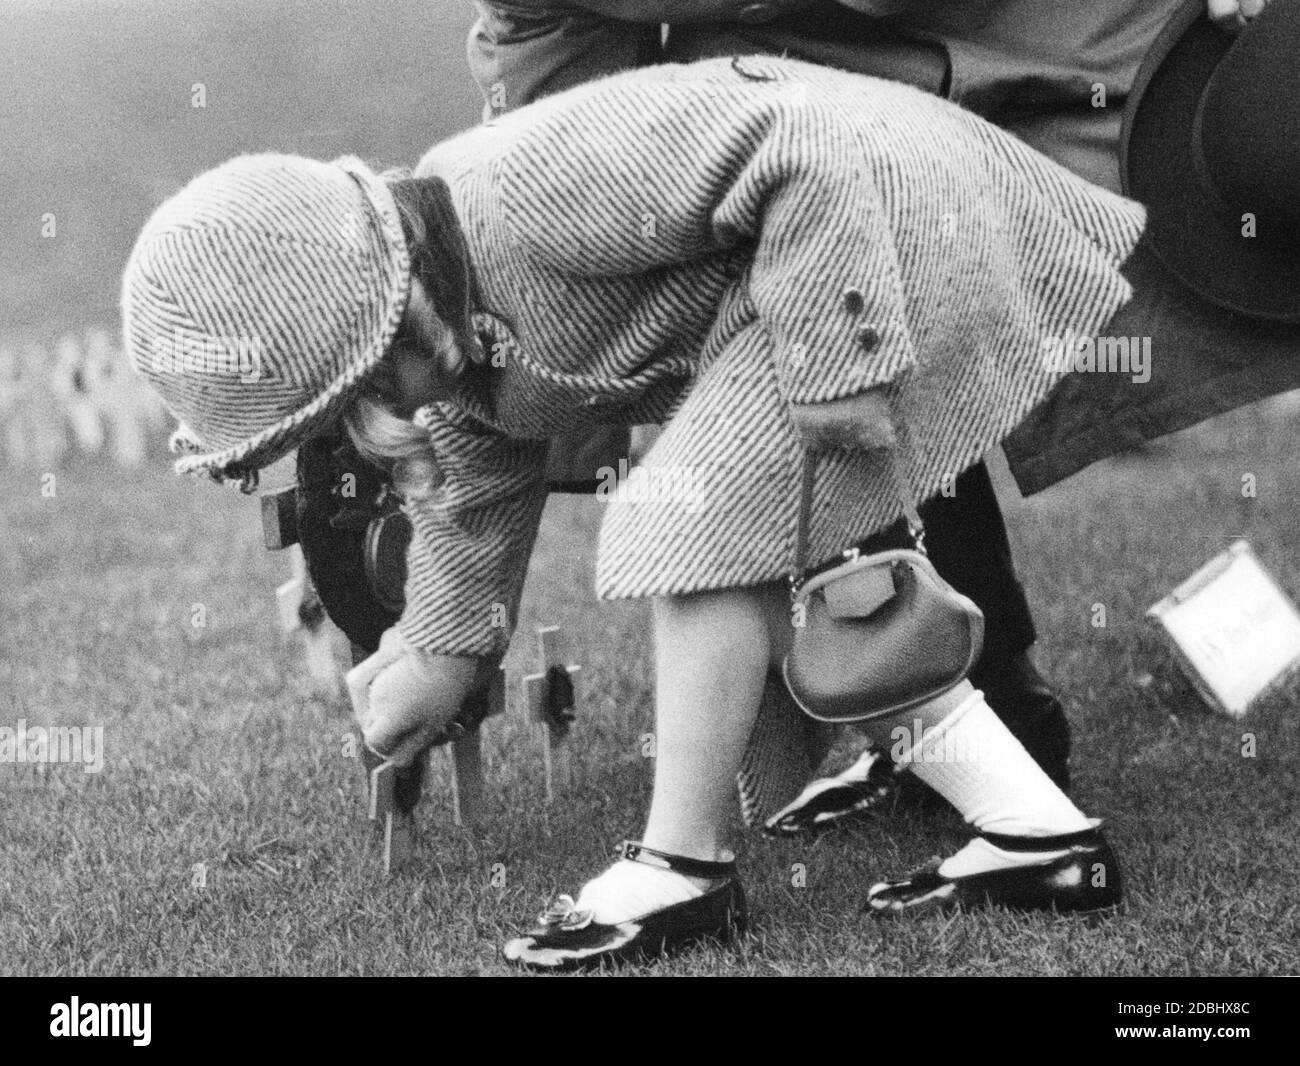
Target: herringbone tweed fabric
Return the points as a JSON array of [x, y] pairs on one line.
[[710, 244]]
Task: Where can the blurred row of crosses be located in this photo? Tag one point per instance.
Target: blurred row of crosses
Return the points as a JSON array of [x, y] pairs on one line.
[[79, 392]]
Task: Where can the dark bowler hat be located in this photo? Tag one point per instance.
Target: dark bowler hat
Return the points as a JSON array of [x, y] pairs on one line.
[[1211, 145], [1211, 133]]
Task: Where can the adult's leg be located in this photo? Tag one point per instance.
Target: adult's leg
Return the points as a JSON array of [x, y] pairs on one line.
[[967, 542]]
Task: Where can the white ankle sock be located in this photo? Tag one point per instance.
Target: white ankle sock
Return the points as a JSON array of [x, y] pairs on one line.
[[973, 761], [628, 890]]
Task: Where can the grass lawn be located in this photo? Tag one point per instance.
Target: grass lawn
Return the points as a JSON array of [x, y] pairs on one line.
[[224, 835]]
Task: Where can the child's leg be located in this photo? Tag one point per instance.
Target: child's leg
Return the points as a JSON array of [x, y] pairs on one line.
[[711, 660], [1035, 848], [711, 656], [961, 749]]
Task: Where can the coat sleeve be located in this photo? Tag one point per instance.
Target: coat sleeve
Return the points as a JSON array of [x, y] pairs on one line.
[[640, 177], [522, 50], [471, 541]]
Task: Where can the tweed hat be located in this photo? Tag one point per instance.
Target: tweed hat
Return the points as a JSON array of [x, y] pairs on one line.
[[257, 297]]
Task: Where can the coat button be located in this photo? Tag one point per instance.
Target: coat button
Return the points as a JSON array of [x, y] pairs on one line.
[[755, 13], [869, 338], [854, 301]]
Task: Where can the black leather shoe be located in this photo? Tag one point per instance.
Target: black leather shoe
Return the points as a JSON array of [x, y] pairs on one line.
[[1025, 702], [865, 788], [1086, 879], [567, 938]]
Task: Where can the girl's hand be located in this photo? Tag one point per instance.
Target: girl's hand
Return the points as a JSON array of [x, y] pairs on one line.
[[402, 697], [1233, 14], [862, 421]]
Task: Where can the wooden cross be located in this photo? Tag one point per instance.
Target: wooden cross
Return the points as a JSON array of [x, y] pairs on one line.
[[551, 698], [394, 792], [466, 758], [390, 813], [279, 518]]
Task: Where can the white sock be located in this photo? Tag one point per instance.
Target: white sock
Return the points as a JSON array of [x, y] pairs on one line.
[[973, 761], [629, 890]]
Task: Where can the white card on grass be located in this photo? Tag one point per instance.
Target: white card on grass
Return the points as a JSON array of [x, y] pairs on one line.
[[1232, 628]]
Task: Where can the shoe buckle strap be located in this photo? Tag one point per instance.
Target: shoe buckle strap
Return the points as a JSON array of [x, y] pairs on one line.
[[635, 851], [1056, 843]]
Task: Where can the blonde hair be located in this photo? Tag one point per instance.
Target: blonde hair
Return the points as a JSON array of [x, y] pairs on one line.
[[394, 444], [384, 438]]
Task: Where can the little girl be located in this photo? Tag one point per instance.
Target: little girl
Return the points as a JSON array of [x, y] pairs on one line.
[[764, 256]]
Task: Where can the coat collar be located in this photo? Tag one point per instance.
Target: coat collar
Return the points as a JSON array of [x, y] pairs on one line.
[[453, 286], [456, 296]]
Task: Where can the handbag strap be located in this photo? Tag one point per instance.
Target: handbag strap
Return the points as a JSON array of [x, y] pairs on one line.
[[902, 486]]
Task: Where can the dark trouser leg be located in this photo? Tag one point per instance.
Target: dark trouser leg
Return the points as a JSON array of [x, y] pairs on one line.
[[967, 542]]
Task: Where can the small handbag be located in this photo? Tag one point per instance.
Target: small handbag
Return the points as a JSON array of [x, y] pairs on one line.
[[875, 634]]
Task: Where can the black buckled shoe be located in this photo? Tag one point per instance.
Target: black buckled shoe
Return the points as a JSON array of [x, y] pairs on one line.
[[1086, 879], [865, 788], [567, 938]]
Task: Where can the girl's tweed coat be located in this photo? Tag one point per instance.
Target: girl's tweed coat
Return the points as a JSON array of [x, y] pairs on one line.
[[706, 245]]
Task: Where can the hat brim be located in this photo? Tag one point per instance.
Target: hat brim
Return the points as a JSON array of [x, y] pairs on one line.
[[279, 440], [1199, 241]]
